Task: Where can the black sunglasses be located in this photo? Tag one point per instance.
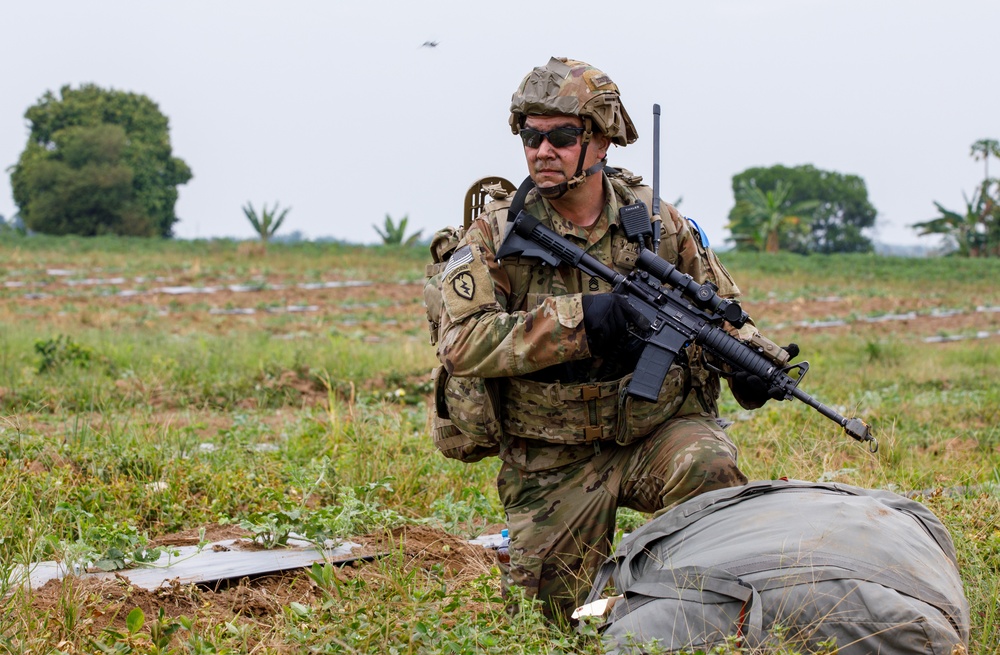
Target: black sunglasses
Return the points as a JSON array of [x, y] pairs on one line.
[[561, 137]]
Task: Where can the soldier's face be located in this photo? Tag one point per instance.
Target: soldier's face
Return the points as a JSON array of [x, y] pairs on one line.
[[550, 166]]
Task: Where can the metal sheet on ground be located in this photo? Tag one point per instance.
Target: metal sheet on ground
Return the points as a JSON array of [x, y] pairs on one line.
[[215, 562]]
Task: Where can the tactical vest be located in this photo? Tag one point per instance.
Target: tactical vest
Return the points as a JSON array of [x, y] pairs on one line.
[[580, 413]]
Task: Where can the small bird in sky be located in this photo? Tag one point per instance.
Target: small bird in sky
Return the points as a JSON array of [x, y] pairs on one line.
[[430, 44]]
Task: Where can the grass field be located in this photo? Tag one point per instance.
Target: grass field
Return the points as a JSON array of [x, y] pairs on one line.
[[163, 394]]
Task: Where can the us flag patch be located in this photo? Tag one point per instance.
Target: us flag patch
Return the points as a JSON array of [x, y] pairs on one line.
[[462, 256]]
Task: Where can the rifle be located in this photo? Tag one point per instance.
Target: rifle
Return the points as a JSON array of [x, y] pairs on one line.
[[680, 312]]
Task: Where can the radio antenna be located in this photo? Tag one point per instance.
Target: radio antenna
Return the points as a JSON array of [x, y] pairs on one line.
[[655, 209]]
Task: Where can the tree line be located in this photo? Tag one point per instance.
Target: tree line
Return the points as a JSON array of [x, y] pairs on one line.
[[99, 161], [804, 209]]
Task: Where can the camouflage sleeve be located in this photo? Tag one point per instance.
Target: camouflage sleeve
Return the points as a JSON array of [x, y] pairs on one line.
[[480, 337]]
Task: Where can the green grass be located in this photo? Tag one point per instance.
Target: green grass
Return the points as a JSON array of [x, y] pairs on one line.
[[123, 427]]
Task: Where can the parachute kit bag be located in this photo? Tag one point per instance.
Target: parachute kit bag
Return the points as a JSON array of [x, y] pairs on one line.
[[781, 563]]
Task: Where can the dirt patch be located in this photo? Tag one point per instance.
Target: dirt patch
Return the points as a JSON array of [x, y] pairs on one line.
[[106, 603], [427, 547], [375, 309], [877, 318]]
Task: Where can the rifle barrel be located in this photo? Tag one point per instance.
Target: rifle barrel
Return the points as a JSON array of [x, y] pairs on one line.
[[854, 427]]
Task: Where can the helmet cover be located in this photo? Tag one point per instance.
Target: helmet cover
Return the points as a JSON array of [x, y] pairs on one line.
[[574, 88]]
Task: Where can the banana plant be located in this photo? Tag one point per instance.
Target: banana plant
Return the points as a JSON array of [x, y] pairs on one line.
[[974, 232], [395, 235], [770, 219], [267, 222]]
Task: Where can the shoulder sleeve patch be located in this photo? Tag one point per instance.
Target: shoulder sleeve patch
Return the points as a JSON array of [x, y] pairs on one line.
[[466, 285]]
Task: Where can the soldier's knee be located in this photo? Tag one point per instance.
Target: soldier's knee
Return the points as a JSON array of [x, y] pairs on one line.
[[716, 464], [722, 473], [700, 471]]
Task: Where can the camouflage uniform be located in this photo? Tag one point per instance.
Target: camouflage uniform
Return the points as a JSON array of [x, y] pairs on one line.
[[574, 446]]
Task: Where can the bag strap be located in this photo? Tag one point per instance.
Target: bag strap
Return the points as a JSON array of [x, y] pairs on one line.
[[698, 585], [517, 204], [602, 577]]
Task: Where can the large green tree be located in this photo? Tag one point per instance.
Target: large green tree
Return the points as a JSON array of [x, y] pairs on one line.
[[841, 214], [97, 161]]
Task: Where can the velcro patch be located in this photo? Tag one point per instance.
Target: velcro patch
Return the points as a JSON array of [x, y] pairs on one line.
[[596, 80], [569, 310], [466, 285]]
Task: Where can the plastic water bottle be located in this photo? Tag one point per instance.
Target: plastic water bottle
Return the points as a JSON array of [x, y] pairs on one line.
[[503, 550]]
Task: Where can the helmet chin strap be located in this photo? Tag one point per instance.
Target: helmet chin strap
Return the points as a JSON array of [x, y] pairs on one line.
[[560, 190], [580, 176]]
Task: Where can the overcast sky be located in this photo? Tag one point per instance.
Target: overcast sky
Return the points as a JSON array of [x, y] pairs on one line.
[[335, 109]]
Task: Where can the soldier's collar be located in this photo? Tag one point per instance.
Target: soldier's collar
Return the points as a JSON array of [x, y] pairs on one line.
[[545, 212]]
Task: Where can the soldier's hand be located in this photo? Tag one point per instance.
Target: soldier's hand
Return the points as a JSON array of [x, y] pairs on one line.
[[750, 388], [753, 389], [606, 318]]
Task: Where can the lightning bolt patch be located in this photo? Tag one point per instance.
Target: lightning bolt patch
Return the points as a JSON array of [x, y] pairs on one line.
[[464, 285]]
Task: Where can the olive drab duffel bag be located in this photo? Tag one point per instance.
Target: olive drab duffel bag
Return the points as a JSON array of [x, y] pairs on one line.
[[784, 563]]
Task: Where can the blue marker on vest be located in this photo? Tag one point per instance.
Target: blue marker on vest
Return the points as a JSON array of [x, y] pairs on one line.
[[701, 232]]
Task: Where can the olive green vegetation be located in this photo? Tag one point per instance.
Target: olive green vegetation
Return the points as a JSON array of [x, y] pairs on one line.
[[92, 470], [267, 223]]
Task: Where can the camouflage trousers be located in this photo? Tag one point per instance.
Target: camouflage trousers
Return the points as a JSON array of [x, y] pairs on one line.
[[562, 521]]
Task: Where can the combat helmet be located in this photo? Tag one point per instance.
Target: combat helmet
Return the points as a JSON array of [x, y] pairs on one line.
[[572, 87]]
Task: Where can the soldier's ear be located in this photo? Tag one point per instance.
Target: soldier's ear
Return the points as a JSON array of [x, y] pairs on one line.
[[601, 142]]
